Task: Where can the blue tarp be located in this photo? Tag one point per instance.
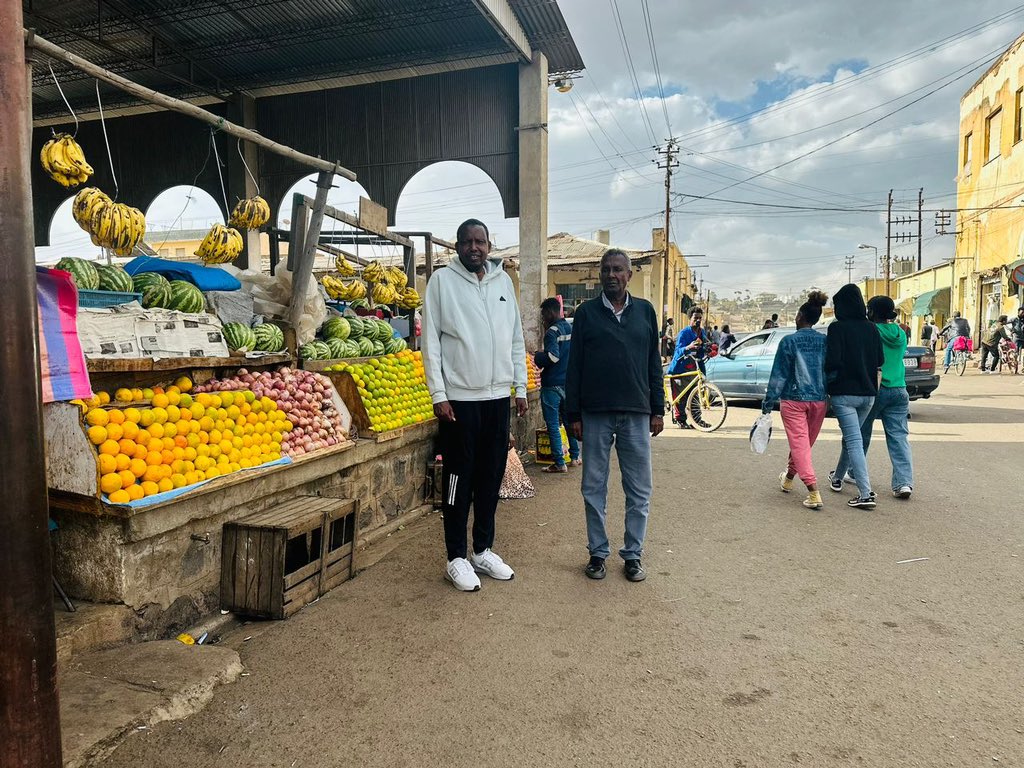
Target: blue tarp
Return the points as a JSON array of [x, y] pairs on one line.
[[204, 278]]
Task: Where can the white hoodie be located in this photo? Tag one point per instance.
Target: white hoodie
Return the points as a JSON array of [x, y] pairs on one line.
[[473, 346]]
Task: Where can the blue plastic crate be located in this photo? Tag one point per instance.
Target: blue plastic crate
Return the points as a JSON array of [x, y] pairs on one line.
[[101, 299]]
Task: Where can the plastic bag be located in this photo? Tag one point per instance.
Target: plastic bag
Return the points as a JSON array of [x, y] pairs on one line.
[[761, 433]]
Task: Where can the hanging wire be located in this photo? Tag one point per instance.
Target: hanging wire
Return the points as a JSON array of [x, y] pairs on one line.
[[66, 102], [223, 189], [246, 166], [188, 200], [106, 140]]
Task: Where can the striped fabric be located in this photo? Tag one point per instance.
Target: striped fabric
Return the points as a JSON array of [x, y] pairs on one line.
[[61, 362]]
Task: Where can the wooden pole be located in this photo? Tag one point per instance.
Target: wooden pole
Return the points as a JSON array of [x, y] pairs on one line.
[[29, 712], [177, 105], [304, 266]]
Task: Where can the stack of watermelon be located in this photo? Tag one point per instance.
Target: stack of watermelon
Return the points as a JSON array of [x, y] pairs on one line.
[[239, 337], [185, 297], [84, 273], [269, 337], [113, 278], [347, 337], [155, 289]]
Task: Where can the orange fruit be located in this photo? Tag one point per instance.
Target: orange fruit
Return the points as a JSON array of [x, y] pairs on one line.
[[114, 431], [198, 411], [184, 427], [97, 435], [184, 414], [146, 417], [155, 445], [149, 488], [97, 417], [173, 398], [110, 482], [136, 394], [135, 492], [152, 474], [165, 484], [180, 441], [119, 497], [123, 395], [104, 397], [127, 446], [158, 390], [160, 400], [127, 478], [138, 467], [132, 414], [115, 416], [123, 461], [110, 447], [178, 452], [154, 459], [166, 457], [106, 463], [141, 451], [130, 429], [178, 480], [183, 383], [168, 443]]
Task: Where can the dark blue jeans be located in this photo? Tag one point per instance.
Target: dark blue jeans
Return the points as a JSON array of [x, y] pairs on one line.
[[551, 401]]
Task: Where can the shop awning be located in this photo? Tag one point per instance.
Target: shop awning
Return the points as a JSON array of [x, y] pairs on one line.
[[932, 302]]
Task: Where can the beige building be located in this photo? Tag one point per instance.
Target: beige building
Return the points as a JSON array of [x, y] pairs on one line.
[[574, 267], [924, 295], [990, 185]]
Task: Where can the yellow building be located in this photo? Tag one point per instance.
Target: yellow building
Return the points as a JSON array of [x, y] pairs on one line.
[[990, 185], [924, 294]]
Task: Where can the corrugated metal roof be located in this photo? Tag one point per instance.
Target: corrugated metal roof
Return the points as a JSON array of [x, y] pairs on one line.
[[194, 48], [567, 250]]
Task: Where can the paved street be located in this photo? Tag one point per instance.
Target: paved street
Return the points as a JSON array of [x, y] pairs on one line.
[[766, 634]]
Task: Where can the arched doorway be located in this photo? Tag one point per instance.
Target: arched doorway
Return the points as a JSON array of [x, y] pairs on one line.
[[178, 219], [66, 238]]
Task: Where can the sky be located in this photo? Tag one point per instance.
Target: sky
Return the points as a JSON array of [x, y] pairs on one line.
[[821, 108]]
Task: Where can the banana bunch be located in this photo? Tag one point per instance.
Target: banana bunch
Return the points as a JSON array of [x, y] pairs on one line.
[[396, 278], [383, 293], [64, 161], [409, 299], [343, 291], [374, 273], [251, 213], [221, 245], [344, 267], [116, 226]]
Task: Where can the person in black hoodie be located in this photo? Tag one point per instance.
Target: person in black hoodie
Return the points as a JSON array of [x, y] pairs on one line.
[[853, 358]]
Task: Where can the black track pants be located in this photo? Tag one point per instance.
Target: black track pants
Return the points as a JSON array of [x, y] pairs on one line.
[[474, 449]]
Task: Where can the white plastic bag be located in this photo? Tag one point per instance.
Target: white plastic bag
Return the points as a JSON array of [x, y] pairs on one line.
[[761, 433]]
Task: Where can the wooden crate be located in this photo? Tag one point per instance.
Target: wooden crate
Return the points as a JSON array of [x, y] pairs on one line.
[[276, 561]]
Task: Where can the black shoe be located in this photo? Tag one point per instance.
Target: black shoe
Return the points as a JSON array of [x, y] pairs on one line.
[[863, 503], [635, 570], [595, 568]]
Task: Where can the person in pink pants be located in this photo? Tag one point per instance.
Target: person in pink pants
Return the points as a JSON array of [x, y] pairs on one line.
[[797, 385]]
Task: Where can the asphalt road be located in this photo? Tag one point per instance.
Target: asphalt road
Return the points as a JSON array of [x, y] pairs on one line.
[[766, 634]]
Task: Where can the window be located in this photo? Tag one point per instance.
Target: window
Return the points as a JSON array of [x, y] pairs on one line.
[[165, 252], [573, 293], [750, 346], [1017, 115], [993, 133], [967, 153], [179, 253]]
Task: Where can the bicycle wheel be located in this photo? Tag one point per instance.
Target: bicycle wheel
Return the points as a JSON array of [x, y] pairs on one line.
[[1013, 362], [961, 363], [706, 407]]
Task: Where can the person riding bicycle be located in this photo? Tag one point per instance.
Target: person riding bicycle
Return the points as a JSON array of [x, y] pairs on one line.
[[693, 346], [955, 328], [990, 343]]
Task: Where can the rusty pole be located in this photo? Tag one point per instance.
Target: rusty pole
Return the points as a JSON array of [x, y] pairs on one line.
[[29, 715]]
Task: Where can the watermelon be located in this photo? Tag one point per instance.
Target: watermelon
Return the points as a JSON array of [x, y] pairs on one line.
[[307, 351], [355, 327], [83, 273], [323, 352], [378, 349], [336, 328], [394, 346], [239, 337], [269, 337], [337, 348], [385, 331], [351, 348], [365, 348], [185, 297], [155, 290], [114, 278]]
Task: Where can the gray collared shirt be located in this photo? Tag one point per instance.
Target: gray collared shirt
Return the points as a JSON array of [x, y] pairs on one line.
[[617, 313]]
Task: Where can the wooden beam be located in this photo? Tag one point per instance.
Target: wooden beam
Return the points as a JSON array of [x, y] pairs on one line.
[[303, 271], [177, 105]]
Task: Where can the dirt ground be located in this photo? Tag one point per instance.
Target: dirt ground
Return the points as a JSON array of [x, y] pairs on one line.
[[765, 635]]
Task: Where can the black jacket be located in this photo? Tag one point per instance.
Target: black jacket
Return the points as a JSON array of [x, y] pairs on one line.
[[614, 365], [853, 349]]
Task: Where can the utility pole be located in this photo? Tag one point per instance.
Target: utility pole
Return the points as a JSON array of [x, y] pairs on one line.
[[669, 162], [849, 268], [920, 210], [888, 243], [29, 714]]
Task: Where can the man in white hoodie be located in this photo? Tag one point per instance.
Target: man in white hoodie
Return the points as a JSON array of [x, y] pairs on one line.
[[473, 355]]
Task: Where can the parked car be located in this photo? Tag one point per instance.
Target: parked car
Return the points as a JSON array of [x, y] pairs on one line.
[[742, 373]]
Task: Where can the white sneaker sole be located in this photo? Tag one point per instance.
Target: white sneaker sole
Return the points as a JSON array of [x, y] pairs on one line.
[[475, 588], [478, 569]]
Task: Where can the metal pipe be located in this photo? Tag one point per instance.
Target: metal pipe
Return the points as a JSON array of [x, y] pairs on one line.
[[29, 713]]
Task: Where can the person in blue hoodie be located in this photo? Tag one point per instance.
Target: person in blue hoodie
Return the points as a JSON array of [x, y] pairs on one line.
[[553, 362], [692, 348], [797, 384]]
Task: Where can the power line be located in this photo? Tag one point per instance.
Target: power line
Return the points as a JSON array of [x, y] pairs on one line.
[[632, 70], [657, 67]]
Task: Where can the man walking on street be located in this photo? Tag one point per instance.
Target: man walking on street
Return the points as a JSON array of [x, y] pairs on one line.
[[473, 354], [553, 362], [990, 344], [614, 394]]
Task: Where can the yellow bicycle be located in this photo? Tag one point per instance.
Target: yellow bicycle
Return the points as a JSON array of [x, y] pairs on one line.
[[705, 405]]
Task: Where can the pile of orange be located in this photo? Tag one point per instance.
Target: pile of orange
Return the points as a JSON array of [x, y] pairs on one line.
[[393, 389], [532, 374], [179, 441]]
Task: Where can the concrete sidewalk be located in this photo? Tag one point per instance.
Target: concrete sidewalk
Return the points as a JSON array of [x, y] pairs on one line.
[[766, 635]]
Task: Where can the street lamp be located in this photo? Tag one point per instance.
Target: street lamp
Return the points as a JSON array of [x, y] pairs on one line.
[[873, 248]]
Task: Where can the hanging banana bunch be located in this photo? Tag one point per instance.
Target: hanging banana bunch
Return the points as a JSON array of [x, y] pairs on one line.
[[221, 245], [341, 290], [397, 278], [251, 213], [116, 226], [63, 160], [383, 293], [409, 299], [344, 267], [374, 273]]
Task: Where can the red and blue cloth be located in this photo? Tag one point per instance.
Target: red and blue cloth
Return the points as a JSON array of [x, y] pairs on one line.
[[62, 365]]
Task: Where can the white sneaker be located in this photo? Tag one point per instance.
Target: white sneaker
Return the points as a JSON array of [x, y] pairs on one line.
[[903, 492], [488, 562], [460, 573]]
